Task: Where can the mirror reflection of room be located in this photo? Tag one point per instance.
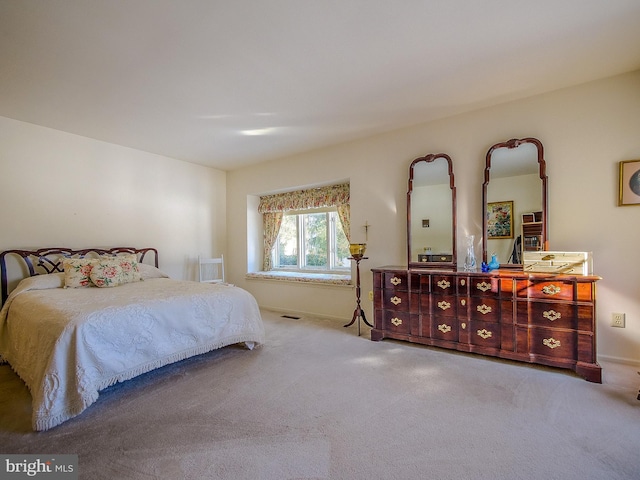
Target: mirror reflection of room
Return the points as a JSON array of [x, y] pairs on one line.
[[431, 215], [514, 194]]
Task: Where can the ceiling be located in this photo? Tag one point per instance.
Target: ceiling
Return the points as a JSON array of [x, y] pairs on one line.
[[230, 83]]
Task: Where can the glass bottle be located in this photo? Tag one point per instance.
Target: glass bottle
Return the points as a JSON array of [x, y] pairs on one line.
[[470, 257], [494, 264]]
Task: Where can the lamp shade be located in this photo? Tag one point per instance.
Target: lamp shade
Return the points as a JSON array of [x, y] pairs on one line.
[[357, 249]]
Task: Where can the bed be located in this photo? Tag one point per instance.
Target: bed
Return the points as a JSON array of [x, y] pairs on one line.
[[69, 339]]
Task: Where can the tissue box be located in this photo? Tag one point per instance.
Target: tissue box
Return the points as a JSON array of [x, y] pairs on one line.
[[566, 263]]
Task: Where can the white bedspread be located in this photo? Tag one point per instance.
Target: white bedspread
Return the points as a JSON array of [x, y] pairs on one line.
[[68, 344]]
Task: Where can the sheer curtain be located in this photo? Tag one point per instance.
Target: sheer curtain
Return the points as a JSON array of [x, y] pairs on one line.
[[273, 207]]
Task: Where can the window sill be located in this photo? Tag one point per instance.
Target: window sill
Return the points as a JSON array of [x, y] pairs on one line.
[[302, 277]]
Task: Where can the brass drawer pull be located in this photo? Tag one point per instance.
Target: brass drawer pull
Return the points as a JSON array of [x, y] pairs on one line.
[[396, 281], [483, 286], [551, 289], [484, 333], [463, 325], [396, 321], [551, 343], [444, 328], [463, 282], [484, 309], [551, 315], [443, 284], [444, 305], [396, 300], [463, 302]]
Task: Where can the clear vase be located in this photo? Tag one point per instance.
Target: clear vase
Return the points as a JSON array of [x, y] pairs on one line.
[[470, 257]]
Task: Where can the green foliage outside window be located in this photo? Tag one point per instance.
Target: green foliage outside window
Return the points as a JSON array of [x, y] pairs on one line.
[[310, 233]]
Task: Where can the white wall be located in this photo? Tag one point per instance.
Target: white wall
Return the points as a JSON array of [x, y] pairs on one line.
[[433, 203], [586, 130], [58, 189]]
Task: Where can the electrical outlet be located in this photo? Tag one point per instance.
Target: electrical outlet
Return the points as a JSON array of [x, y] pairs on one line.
[[617, 320]]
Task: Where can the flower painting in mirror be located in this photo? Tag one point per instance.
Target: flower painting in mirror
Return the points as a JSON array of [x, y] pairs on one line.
[[500, 220], [629, 183]]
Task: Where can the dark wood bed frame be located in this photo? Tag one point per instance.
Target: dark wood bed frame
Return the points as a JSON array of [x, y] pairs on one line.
[[49, 260]]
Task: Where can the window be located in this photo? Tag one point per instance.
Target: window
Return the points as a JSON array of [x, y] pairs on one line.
[[315, 234], [312, 240]]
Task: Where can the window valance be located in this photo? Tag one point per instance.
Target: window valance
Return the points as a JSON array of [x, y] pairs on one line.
[[331, 196]]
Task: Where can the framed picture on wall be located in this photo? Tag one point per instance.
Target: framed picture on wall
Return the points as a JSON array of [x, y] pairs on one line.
[[500, 220], [629, 183]]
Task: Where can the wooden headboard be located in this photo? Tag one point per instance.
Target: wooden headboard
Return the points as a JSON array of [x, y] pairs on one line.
[[49, 260]]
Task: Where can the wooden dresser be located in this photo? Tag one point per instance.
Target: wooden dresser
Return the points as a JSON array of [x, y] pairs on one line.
[[533, 318]]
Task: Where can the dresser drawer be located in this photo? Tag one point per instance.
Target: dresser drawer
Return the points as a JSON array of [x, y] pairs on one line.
[[444, 305], [553, 343], [485, 334], [484, 308], [486, 286], [397, 322], [444, 328], [557, 315], [443, 284], [463, 285], [552, 289], [395, 300], [395, 281], [426, 258]]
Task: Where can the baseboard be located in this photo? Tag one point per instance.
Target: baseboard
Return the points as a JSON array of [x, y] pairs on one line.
[[624, 361]]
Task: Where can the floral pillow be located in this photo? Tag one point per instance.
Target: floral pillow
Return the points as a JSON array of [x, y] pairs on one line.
[[129, 265], [114, 271], [107, 273], [77, 272]]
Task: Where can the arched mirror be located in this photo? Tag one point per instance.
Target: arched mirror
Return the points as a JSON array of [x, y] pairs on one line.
[[514, 197], [431, 212]]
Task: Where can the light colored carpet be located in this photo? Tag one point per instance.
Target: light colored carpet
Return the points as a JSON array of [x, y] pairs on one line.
[[319, 402]]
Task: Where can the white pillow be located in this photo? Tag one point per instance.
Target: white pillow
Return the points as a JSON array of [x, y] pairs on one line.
[[149, 271]]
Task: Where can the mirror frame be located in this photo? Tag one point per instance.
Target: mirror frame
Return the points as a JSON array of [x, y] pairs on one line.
[[542, 167], [430, 265]]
